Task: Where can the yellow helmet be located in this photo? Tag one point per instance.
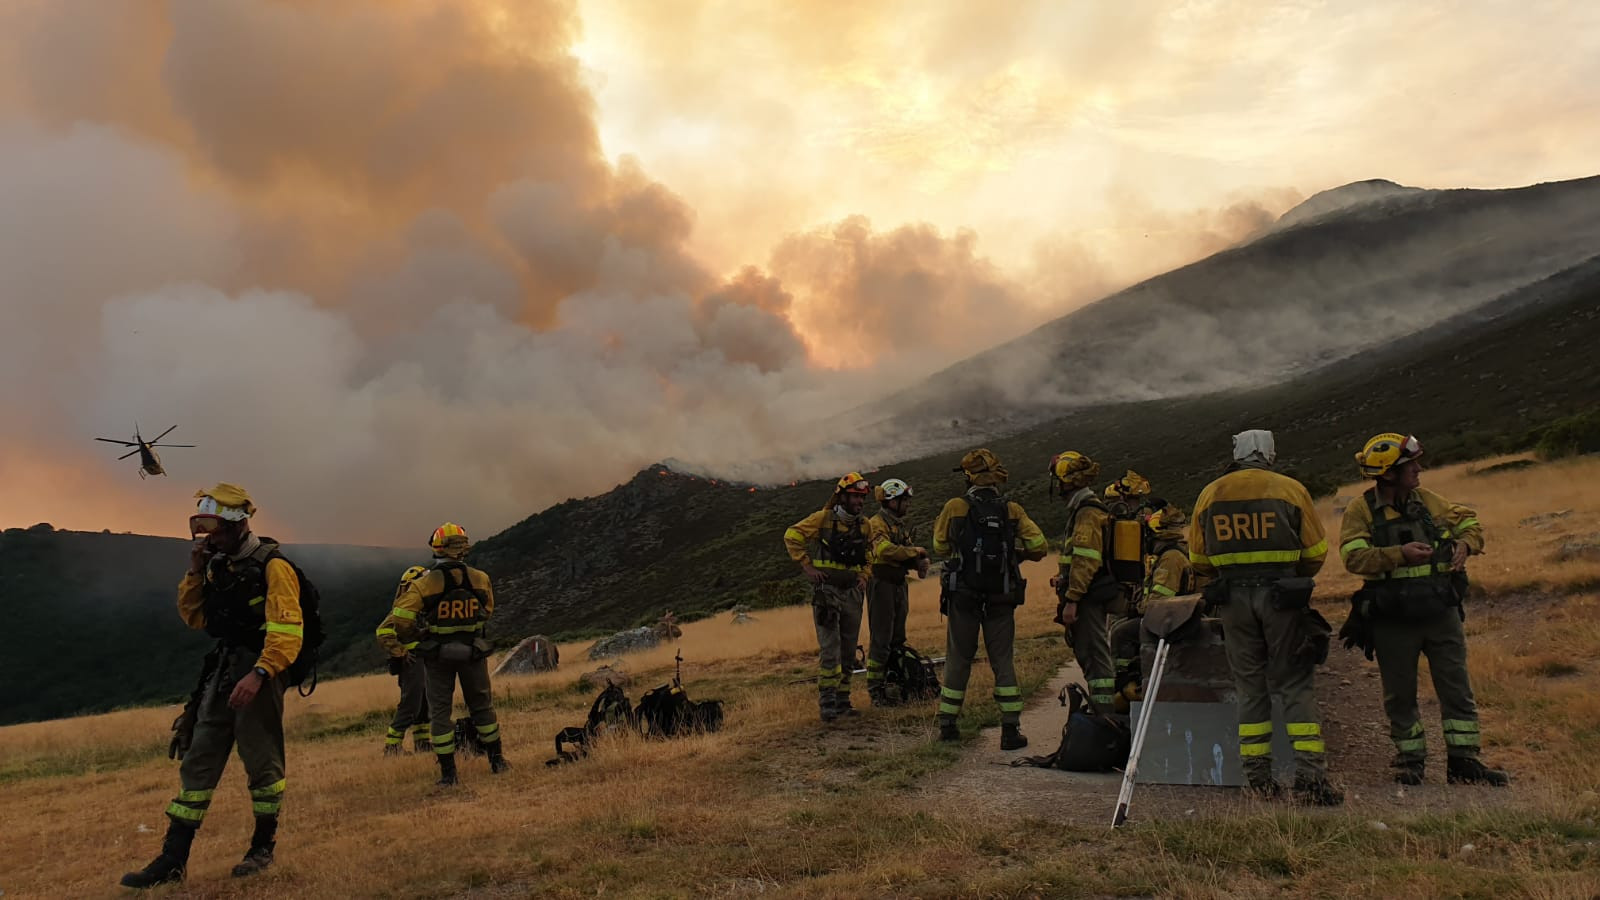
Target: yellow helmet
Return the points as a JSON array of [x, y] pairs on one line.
[[1168, 518], [1383, 452], [1073, 469], [1131, 484], [448, 536], [412, 574], [854, 483]]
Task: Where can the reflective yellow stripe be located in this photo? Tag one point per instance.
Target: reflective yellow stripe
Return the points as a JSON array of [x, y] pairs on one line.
[[1303, 729], [795, 536], [1320, 548], [386, 632], [281, 628], [1007, 690], [258, 601], [1357, 544], [1163, 590], [1256, 556], [1086, 553], [830, 564], [1456, 739], [1465, 524], [1460, 725], [1197, 557], [1255, 749], [271, 789], [185, 813], [1309, 746], [1254, 729], [266, 807], [412, 645], [1410, 572], [455, 629], [1410, 744], [1009, 705], [406, 614], [873, 664], [951, 694], [949, 709], [1035, 543], [195, 796]]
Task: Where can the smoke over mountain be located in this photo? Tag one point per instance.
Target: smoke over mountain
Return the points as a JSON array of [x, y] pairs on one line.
[[375, 260]]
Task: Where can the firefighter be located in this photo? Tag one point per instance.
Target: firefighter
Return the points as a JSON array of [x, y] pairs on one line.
[[831, 546], [1087, 593], [1169, 575], [412, 710], [893, 554], [1411, 546], [444, 610], [241, 590], [1127, 496], [983, 537], [1256, 531]]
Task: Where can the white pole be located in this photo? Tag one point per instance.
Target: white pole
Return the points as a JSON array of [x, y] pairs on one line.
[[1125, 796]]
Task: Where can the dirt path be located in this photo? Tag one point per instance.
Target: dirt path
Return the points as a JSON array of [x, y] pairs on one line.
[[1353, 723]]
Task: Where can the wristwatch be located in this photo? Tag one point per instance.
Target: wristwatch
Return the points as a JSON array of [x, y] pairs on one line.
[[265, 675]]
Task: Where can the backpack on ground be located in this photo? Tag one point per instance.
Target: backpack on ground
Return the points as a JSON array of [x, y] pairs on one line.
[[667, 711], [611, 709], [988, 561], [1093, 740], [908, 675], [304, 667]]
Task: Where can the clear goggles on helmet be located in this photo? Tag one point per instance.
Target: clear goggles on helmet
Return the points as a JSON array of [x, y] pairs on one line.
[[858, 487]]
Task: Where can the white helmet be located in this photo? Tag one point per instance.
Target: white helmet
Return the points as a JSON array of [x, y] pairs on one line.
[[893, 488]]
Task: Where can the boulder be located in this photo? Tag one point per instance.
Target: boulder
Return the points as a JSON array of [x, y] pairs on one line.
[[598, 679], [630, 641], [534, 654]]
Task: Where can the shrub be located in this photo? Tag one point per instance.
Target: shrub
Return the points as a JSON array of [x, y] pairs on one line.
[[1570, 436]]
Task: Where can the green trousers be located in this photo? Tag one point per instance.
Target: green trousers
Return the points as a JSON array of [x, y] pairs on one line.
[[1090, 638], [1260, 640], [1442, 640], [256, 730], [967, 614], [1125, 649], [888, 603], [412, 710], [836, 613], [442, 676]]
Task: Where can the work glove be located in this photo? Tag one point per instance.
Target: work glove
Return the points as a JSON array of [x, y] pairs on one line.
[[397, 664], [182, 735], [1357, 632]]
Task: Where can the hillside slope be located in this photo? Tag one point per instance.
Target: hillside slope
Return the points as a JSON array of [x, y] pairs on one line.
[[1484, 380], [94, 624]]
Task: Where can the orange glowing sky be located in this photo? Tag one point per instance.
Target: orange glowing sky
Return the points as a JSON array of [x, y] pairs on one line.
[[649, 230]]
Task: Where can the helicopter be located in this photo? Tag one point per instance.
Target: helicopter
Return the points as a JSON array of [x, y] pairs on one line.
[[149, 462]]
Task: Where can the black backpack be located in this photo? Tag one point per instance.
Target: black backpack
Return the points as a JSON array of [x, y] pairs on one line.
[[304, 667], [988, 564], [909, 675], [611, 709], [1092, 740], [667, 711]]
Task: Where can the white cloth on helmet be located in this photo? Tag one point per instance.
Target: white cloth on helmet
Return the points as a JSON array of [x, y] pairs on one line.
[[1255, 446], [208, 506]]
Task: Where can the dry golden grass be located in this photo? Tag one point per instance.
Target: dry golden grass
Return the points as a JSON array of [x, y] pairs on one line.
[[778, 806]]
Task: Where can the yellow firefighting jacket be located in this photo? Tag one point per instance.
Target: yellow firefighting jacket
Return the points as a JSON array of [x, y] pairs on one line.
[[415, 596], [1083, 555], [285, 629], [890, 540], [388, 638], [1034, 546], [1454, 521], [1256, 519], [818, 539], [1171, 573]]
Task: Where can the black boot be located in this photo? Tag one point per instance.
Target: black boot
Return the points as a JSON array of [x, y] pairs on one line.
[[167, 868], [1011, 737], [447, 770], [1317, 792], [497, 759], [841, 703], [259, 856], [1408, 771], [1469, 770], [948, 730], [1260, 784], [827, 705], [393, 750], [877, 695]]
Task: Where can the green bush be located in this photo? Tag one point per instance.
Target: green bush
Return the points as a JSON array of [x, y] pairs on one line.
[[1571, 436]]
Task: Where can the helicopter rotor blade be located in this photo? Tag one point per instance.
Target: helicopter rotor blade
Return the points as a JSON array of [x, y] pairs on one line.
[[162, 434], [113, 441], [128, 454], [172, 445]]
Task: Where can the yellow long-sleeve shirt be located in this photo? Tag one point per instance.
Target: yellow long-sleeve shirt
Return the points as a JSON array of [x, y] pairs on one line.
[[889, 541], [1083, 555], [1167, 575], [1031, 543], [415, 596], [1256, 517], [805, 539], [285, 629], [1455, 522], [388, 637]]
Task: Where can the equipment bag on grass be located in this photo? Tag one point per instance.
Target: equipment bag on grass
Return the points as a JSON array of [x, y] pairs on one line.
[[908, 675]]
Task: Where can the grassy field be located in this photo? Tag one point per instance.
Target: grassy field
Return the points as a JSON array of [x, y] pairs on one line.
[[778, 805]]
